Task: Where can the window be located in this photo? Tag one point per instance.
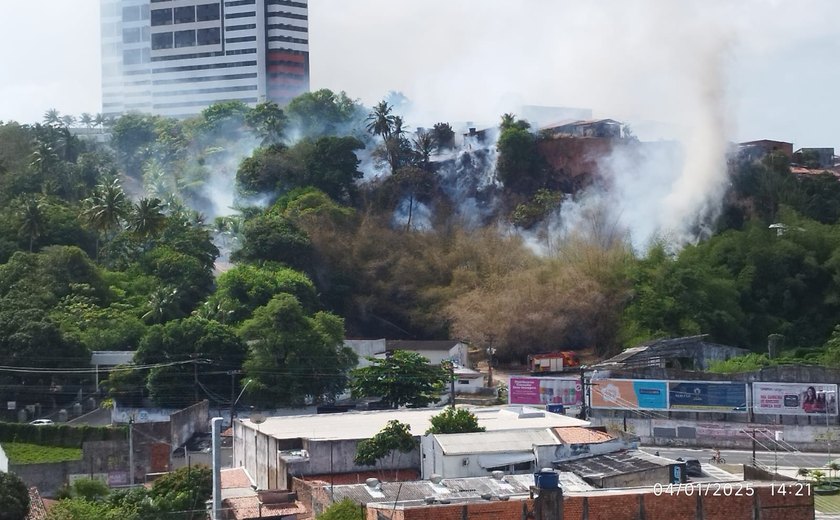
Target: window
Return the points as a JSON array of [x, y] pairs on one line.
[[184, 39], [161, 17], [131, 35], [209, 36], [184, 14], [522, 466], [162, 40], [131, 14], [463, 381], [132, 57], [207, 12]]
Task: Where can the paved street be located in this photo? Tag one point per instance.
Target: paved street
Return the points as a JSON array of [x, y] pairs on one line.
[[765, 458]]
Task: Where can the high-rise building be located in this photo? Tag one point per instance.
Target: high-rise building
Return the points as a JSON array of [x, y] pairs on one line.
[[176, 57]]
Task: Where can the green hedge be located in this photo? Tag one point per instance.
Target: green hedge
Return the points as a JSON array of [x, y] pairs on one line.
[[59, 434]]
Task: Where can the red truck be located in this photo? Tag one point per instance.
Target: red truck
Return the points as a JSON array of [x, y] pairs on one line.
[[552, 362]]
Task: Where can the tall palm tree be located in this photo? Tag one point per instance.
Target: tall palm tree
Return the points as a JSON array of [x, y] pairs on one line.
[[508, 120], [99, 120], [86, 119], [380, 120], [68, 120], [105, 209], [147, 218], [31, 219], [52, 117]]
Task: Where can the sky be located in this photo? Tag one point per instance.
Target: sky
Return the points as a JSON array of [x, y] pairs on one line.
[[770, 66]]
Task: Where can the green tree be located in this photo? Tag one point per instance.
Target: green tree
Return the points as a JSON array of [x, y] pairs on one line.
[[403, 378], [274, 239], [380, 121], [79, 509], [268, 121], [132, 137], [213, 346], [89, 489], [519, 166], [52, 117], [14, 497], [105, 210], [146, 218], [454, 420], [182, 493], [293, 356], [245, 287], [86, 119], [31, 216], [321, 113], [346, 509], [444, 136], [393, 439]]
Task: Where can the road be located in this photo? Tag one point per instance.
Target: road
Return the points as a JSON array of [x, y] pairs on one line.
[[765, 458]]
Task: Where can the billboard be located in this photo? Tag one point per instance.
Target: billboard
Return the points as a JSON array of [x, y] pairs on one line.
[[707, 396], [630, 394], [545, 390], [794, 398]]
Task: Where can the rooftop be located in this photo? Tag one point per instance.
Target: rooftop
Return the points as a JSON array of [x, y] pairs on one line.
[[580, 435], [653, 352], [402, 344], [497, 441], [365, 424], [620, 462], [243, 508], [454, 489]]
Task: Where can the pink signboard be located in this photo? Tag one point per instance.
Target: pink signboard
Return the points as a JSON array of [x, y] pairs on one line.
[[545, 390]]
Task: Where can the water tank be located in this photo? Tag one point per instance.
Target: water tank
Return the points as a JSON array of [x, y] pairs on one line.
[[546, 478]]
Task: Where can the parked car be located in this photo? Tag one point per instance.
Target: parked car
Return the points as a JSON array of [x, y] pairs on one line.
[[41, 422]]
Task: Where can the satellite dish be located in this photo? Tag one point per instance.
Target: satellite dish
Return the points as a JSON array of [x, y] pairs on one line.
[[257, 418]]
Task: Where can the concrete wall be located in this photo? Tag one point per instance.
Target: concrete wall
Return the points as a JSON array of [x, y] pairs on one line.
[[648, 477], [548, 454], [184, 423], [365, 348], [666, 432], [4, 461], [49, 477], [469, 386]]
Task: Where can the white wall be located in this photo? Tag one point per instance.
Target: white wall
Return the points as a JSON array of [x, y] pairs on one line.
[[472, 386], [4, 461], [366, 348]]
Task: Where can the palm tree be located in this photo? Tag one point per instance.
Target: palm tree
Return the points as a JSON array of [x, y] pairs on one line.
[[86, 119], [99, 120], [424, 146], [508, 120], [31, 219], [52, 117], [68, 121], [380, 120], [163, 305], [105, 208], [833, 467], [147, 218]]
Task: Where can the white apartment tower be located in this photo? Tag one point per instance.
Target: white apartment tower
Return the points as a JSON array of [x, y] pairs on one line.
[[176, 57]]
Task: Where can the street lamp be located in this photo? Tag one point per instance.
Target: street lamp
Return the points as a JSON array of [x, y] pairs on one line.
[[232, 413]]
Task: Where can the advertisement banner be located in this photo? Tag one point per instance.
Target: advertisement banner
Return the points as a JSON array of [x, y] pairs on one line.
[[794, 398], [707, 396], [545, 390], [630, 394]]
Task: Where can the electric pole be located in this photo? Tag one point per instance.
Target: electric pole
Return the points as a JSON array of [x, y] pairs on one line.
[[233, 374], [131, 451]]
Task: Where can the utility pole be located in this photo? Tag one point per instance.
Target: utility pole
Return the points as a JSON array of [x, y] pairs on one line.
[[752, 433], [195, 378], [131, 451], [490, 353], [233, 374]]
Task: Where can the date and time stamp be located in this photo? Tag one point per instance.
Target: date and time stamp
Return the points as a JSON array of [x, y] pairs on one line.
[[731, 489]]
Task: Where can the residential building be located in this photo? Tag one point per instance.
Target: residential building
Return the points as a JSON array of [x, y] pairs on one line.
[[176, 57], [755, 150], [325, 444], [603, 128], [468, 381], [435, 351], [686, 353]]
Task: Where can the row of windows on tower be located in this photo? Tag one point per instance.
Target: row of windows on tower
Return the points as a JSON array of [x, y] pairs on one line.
[[179, 39], [189, 14]]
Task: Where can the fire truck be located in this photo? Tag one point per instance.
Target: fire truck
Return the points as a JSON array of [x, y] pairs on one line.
[[552, 362]]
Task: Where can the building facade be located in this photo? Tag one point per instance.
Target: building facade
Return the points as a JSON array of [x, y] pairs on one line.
[[176, 57]]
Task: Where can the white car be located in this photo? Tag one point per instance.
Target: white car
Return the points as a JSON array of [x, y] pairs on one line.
[[41, 422]]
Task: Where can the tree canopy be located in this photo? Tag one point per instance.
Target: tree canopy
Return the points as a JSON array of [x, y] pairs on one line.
[[403, 378]]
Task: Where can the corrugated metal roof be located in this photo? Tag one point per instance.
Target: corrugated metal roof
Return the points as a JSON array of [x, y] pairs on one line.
[[495, 441], [399, 344], [629, 461], [363, 425], [455, 489]]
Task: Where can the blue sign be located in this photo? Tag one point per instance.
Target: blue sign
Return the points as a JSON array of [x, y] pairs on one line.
[[651, 395], [707, 396]]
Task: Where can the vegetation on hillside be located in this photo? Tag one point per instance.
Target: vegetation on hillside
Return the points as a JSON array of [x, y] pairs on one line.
[[329, 220]]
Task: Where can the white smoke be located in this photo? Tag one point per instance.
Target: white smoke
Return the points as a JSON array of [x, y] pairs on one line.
[[664, 66]]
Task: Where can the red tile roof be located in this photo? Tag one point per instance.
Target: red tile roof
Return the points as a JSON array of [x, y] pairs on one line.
[[235, 478], [581, 435]]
